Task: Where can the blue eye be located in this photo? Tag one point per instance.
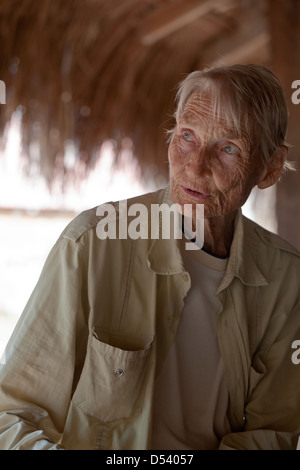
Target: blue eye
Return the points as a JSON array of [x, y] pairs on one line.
[[230, 149], [187, 136]]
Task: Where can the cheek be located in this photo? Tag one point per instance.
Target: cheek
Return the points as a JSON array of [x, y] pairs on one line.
[[230, 174], [234, 189]]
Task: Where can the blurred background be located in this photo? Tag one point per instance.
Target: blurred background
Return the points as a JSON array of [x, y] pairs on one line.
[[88, 97]]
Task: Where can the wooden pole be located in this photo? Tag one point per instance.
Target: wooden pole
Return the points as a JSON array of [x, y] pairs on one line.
[[285, 43]]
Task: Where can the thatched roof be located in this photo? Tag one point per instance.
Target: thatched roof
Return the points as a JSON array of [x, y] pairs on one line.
[[92, 70]]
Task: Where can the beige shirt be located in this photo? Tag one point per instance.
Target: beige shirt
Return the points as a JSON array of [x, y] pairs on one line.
[[102, 307]]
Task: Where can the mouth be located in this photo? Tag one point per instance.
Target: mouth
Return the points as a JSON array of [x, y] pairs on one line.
[[196, 194]]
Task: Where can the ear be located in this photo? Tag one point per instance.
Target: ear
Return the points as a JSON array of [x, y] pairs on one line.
[[273, 169]]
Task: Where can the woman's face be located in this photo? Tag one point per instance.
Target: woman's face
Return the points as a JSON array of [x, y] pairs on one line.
[[209, 163]]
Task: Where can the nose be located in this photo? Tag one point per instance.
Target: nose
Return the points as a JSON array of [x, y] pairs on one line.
[[199, 162]]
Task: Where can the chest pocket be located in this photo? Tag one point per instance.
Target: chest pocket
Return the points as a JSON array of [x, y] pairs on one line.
[[111, 385]]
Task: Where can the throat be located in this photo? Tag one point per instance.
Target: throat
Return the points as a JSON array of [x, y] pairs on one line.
[[218, 235]]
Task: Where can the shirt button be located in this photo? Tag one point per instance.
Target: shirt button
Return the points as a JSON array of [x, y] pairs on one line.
[[119, 372], [185, 277]]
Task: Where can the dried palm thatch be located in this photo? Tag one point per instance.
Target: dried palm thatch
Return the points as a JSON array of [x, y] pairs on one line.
[[91, 70]]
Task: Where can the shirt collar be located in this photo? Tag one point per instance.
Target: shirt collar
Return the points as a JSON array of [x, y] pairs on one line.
[[246, 248], [245, 251]]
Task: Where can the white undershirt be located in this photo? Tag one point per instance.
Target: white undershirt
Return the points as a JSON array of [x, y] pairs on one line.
[[191, 395]]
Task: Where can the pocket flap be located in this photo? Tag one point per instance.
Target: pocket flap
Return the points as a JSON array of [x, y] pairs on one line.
[[111, 383]]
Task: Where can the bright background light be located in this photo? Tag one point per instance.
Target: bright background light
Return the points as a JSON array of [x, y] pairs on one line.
[[27, 235]]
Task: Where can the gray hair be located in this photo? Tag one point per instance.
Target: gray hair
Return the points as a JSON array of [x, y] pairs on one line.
[[251, 98]]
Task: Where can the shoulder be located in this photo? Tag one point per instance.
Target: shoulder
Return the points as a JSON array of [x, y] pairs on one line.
[[270, 241], [88, 220]]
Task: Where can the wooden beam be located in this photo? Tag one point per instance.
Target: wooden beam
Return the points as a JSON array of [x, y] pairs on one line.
[[255, 48], [172, 17], [248, 39]]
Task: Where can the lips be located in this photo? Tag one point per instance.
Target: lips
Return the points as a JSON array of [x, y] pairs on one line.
[[196, 194]]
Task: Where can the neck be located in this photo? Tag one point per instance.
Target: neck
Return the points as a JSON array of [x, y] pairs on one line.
[[218, 234]]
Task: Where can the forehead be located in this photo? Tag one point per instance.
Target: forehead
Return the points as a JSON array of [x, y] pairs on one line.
[[202, 109]]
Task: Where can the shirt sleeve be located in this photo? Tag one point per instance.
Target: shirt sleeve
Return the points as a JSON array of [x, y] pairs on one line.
[[272, 410], [44, 354], [259, 439]]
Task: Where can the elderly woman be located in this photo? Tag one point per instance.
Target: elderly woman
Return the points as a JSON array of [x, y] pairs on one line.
[[138, 343]]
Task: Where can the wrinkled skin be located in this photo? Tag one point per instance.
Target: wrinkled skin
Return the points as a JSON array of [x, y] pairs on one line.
[[211, 165]]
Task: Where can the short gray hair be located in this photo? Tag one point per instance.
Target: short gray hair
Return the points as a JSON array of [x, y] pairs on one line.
[[252, 98]]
